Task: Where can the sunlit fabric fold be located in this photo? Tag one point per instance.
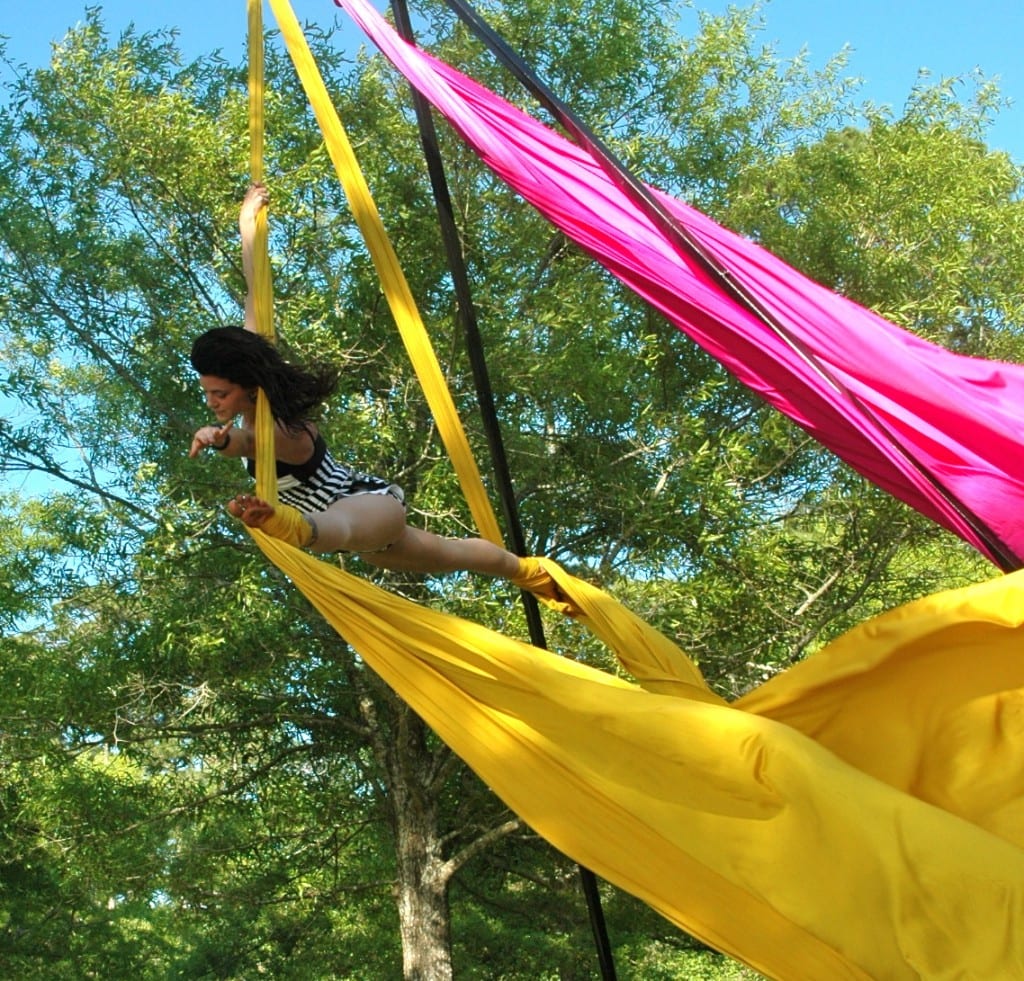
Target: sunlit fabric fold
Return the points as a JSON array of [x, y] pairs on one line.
[[766, 827]]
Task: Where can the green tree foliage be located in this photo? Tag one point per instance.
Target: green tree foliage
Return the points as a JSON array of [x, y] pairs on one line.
[[913, 217], [200, 779]]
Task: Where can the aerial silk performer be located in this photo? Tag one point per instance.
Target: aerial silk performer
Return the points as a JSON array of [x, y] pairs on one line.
[[938, 430], [818, 828]]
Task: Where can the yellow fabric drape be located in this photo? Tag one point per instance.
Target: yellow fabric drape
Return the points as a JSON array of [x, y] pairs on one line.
[[393, 282], [926, 698], [856, 817], [261, 286], [744, 830]]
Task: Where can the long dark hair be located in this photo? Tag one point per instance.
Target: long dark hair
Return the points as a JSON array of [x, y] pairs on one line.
[[250, 360]]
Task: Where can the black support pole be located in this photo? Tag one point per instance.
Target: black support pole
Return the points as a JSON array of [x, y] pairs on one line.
[[485, 399]]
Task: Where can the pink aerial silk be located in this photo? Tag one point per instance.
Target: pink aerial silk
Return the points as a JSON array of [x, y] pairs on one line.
[[938, 430]]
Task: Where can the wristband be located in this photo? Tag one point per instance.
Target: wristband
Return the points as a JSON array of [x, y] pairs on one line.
[[219, 447]]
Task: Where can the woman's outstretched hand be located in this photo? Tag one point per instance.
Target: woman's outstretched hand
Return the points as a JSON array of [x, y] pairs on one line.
[[256, 198], [213, 437]]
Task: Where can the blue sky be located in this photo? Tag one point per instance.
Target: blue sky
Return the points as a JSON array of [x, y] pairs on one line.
[[890, 39]]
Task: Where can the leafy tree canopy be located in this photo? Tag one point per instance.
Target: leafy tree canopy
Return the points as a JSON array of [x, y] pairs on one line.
[[202, 780]]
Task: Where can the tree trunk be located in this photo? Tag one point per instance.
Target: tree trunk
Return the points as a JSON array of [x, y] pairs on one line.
[[422, 895], [401, 746], [422, 887]]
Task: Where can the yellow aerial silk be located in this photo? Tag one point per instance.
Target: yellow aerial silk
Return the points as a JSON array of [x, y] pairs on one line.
[[811, 835], [262, 289], [858, 816]]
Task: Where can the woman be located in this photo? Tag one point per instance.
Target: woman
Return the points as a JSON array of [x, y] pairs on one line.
[[325, 506]]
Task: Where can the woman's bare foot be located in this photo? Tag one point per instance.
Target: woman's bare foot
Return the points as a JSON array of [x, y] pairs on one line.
[[251, 511]]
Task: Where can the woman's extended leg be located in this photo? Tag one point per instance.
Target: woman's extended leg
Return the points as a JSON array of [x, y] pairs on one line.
[[422, 551], [373, 525]]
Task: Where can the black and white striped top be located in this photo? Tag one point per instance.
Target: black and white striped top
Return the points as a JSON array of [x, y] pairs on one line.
[[316, 484]]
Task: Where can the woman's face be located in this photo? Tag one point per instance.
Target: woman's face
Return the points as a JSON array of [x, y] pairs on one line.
[[224, 398]]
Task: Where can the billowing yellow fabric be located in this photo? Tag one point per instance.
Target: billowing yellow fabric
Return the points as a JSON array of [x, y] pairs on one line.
[[927, 698], [738, 827]]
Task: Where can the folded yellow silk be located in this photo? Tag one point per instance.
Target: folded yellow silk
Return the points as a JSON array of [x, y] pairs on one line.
[[753, 835]]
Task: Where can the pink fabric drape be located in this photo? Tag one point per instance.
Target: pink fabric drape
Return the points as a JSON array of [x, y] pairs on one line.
[[938, 430]]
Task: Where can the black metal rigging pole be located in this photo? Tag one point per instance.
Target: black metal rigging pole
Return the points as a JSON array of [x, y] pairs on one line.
[[485, 399]]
